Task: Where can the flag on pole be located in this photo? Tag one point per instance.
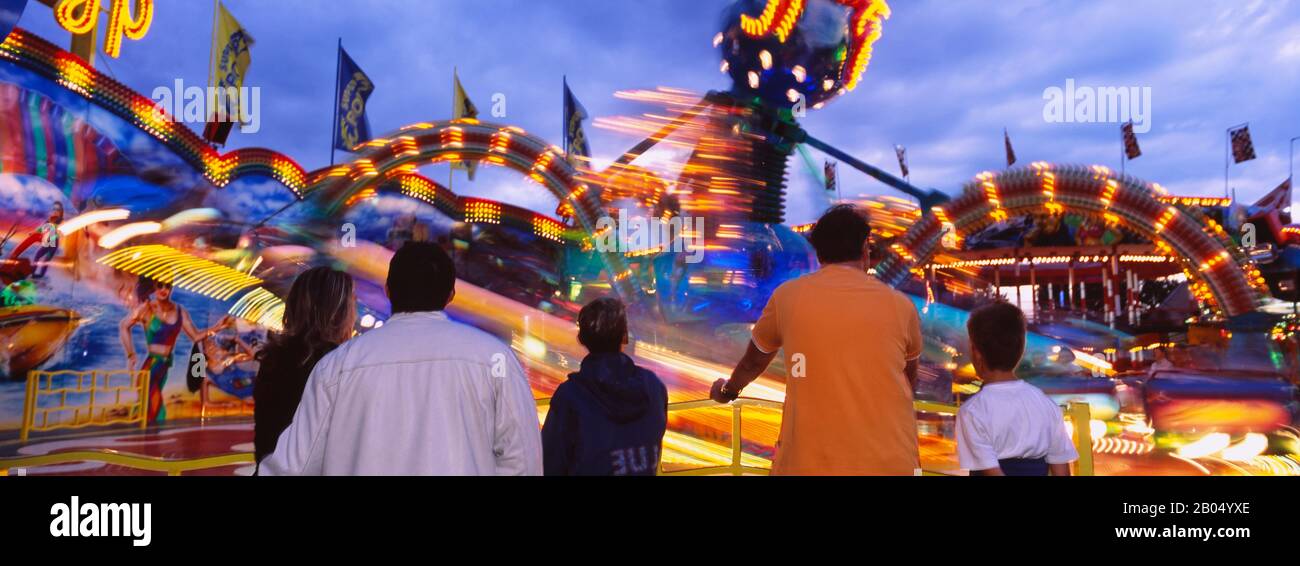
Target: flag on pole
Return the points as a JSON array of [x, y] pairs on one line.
[[1011, 153], [228, 67], [1131, 148], [831, 169], [901, 152], [1242, 148], [353, 126], [462, 107], [576, 148]]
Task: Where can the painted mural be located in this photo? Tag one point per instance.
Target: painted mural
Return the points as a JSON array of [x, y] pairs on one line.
[[119, 254]]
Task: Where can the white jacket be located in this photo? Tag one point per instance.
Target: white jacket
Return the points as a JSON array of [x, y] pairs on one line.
[[422, 395]]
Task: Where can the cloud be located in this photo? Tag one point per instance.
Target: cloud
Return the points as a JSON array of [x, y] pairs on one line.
[[28, 196]]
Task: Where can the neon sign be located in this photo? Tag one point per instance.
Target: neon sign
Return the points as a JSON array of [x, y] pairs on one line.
[[81, 16]]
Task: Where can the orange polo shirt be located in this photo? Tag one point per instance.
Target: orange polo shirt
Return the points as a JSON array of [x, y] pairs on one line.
[[846, 338]]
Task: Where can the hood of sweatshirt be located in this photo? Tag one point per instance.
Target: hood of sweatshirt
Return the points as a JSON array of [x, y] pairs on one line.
[[620, 388]]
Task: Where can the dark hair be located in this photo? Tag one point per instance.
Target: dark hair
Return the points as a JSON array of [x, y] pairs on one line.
[[840, 233], [144, 287], [421, 277], [997, 331], [602, 325], [316, 312]]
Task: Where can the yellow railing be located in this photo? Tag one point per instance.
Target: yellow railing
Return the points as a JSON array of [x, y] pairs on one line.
[[104, 405], [172, 467], [736, 467], [1078, 413]]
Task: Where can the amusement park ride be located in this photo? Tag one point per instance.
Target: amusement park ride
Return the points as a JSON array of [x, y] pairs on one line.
[[1007, 230]]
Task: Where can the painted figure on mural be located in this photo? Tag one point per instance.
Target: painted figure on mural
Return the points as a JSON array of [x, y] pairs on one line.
[[1090, 233], [228, 361], [49, 234], [162, 321], [1048, 230]]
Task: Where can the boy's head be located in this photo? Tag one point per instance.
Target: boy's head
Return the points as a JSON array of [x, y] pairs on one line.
[[421, 277], [997, 337], [841, 234], [602, 326]]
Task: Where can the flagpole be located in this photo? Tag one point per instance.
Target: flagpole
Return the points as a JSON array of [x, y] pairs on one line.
[[216, 13], [1227, 149], [1291, 168], [1123, 151], [451, 165], [1229, 155], [338, 72], [564, 116]]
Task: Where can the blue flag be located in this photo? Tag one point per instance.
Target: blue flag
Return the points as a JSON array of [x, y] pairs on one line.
[[575, 140], [351, 126]]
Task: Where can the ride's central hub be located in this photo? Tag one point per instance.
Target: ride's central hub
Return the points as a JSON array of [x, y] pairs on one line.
[[737, 172], [798, 53]]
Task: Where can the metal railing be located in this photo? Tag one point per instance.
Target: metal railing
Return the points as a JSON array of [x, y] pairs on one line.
[[736, 467], [104, 404], [172, 467], [1078, 413]]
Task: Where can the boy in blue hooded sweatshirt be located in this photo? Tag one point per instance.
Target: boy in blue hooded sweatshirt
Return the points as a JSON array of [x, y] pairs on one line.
[[609, 418]]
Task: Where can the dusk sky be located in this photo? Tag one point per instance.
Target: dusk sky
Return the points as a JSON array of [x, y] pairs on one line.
[[946, 78]]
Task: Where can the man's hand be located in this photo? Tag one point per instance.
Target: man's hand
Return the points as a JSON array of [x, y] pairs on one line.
[[747, 370], [718, 394]]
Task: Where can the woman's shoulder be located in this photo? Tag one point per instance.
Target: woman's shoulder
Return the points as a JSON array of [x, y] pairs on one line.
[[278, 351], [320, 352]]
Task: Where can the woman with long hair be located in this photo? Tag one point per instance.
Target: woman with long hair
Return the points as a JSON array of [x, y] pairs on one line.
[[319, 314], [162, 320]]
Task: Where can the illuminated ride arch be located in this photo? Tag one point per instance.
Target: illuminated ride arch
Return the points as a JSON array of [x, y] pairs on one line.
[[396, 157], [39, 56], [385, 160], [1232, 282], [469, 209]]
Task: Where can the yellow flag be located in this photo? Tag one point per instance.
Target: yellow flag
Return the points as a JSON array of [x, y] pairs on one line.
[[230, 60], [462, 107]]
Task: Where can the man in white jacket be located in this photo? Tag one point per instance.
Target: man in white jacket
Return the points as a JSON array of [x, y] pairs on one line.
[[421, 395]]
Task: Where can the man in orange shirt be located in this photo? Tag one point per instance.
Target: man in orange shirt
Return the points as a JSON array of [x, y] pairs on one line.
[[851, 347]]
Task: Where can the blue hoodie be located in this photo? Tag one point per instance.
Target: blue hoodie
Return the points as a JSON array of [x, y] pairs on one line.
[[608, 419]]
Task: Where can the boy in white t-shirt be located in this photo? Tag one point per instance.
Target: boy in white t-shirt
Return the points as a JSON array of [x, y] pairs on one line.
[[1009, 428]]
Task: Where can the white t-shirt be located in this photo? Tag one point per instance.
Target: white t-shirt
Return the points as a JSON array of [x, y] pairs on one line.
[[49, 235], [1011, 419]]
